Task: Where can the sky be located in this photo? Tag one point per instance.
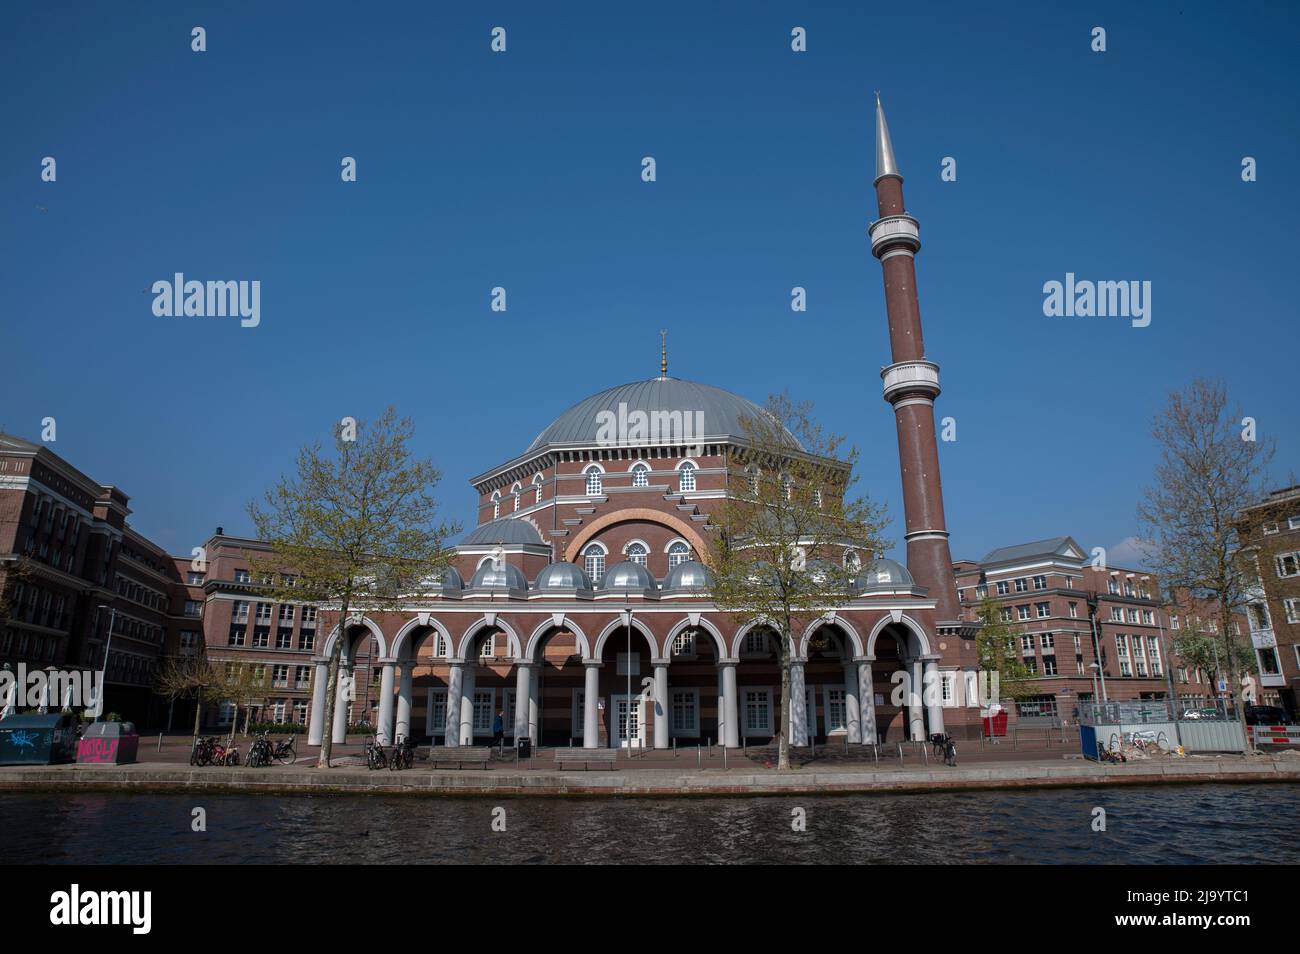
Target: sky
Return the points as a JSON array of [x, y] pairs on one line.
[[522, 170]]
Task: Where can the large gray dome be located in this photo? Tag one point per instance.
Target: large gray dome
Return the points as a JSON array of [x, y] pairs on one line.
[[885, 575], [504, 530], [722, 410], [627, 576], [689, 575], [505, 577], [562, 576]]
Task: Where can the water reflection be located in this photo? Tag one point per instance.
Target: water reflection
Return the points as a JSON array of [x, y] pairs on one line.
[[1164, 825]]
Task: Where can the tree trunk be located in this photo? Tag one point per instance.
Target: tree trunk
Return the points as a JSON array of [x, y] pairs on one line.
[[234, 724], [1234, 682], [783, 740], [331, 687], [198, 716]]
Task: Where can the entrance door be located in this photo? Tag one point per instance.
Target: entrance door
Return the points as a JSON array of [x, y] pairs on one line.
[[623, 735]]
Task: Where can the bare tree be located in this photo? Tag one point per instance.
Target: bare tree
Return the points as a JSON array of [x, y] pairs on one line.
[[189, 677], [355, 529], [790, 539], [1211, 467]]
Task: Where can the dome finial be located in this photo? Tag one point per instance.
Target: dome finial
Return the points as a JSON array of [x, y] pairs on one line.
[[663, 353]]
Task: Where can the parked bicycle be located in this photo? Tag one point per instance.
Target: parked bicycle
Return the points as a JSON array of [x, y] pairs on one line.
[[260, 753], [375, 757], [403, 756], [208, 751], [944, 747], [284, 751]]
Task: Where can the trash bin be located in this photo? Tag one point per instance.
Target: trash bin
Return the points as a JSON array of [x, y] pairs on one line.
[[108, 743], [36, 739], [525, 747]]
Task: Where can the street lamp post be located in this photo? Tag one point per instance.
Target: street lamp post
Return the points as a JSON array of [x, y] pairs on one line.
[[103, 669]]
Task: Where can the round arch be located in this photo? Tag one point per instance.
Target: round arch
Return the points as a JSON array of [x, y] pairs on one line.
[[907, 623], [617, 624], [512, 638], [719, 643], [855, 640], [535, 640], [355, 622], [404, 634], [679, 527], [739, 639]]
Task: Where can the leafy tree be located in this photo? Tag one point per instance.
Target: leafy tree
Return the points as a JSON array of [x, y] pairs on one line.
[[1210, 469], [787, 529], [998, 656], [356, 529]]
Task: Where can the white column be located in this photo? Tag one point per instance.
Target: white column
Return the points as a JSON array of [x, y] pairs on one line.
[[386, 681], [590, 693], [342, 697], [523, 699], [915, 720], [798, 727], [731, 713], [661, 704], [404, 700], [451, 725], [867, 702], [852, 704], [934, 703], [467, 703], [535, 708], [320, 682]]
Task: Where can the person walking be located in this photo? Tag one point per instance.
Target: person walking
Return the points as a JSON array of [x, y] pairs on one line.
[[498, 728]]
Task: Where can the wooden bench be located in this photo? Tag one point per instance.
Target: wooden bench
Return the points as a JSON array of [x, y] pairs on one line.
[[586, 757], [459, 755]]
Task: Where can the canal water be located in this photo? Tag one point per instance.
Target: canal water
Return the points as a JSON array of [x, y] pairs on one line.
[[1185, 824]]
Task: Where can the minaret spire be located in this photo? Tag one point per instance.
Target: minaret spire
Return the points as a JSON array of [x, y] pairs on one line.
[[886, 165], [663, 353], [911, 385]]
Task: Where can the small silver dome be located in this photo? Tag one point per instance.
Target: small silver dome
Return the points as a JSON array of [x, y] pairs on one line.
[[504, 530], [506, 577], [562, 576], [690, 575], [885, 575], [627, 576], [452, 581]]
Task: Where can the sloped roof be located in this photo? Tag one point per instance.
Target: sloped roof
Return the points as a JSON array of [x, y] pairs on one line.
[[1051, 548]]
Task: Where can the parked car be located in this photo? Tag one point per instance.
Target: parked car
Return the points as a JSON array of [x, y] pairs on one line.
[[1266, 715]]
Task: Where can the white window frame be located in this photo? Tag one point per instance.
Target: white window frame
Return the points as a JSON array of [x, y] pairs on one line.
[[644, 555], [829, 692], [594, 476], [686, 474], [640, 472], [676, 556], [766, 693], [591, 552]]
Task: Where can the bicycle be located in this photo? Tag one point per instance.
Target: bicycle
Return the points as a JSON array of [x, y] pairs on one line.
[[403, 755], [375, 757], [260, 752], [284, 751], [944, 748]]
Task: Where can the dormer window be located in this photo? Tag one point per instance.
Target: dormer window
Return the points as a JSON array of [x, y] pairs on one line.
[[594, 484], [640, 475]]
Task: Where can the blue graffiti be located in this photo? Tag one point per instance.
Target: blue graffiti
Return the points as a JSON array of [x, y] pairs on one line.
[[24, 740]]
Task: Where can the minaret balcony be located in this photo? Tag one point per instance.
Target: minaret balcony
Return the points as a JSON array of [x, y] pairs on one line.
[[910, 377], [895, 231]]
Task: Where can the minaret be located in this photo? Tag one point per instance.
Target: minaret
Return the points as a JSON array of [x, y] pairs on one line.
[[911, 384]]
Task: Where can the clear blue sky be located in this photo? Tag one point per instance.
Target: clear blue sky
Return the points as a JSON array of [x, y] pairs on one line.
[[522, 170]]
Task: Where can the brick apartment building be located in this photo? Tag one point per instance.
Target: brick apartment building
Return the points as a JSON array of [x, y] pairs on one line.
[[82, 568], [1077, 624], [1270, 533]]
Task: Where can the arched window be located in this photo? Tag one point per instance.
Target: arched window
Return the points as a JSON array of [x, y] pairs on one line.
[[687, 472], [593, 481], [496, 504], [852, 562], [594, 562], [636, 552], [537, 486], [678, 553], [516, 491], [640, 475]]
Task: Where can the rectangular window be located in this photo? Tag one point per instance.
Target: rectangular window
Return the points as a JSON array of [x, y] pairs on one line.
[[306, 640], [194, 579], [577, 715], [1044, 610], [1113, 586], [308, 616], [1003, 588], [758, 711], [241, 576], [1148, 618], [685, 705], [435, 721], [303, 678], [1049, 665], [755, 644], [193, 608], [1132, 616], [1005, 614], [1040, 582], [280, 677], [1288, 564], [261, 637], [1292, 605], [284, 639], [286, 613], [1022, 612], [489, 648], [237, 634], [1027, 643], [483, 711], [684, 644], [1121, 645], [300, 711], [240, 613], [1074, 610], [1021, 584], [837, 713], [264, 612], [1116, 614], [1049, 640], [629, 665]]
